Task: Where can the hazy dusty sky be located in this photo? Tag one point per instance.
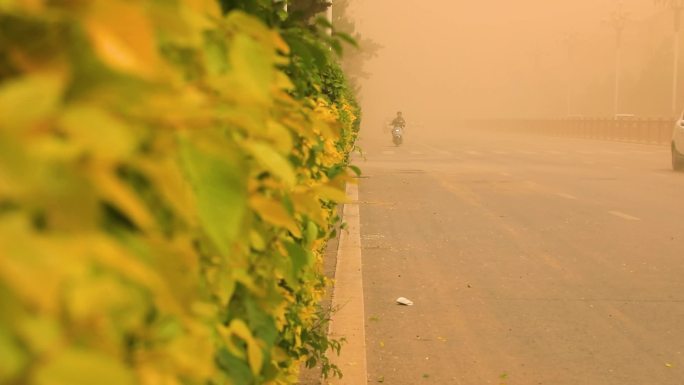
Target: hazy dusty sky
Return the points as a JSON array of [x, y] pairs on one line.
[[461, 59]]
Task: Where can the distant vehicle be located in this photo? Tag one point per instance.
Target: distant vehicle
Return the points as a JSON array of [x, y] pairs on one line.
[[678, 145]]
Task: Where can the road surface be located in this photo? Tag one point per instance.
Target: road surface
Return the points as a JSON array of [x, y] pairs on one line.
[[530, 259]]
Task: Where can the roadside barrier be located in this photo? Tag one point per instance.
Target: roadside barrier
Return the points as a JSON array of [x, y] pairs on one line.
[[638, 130]]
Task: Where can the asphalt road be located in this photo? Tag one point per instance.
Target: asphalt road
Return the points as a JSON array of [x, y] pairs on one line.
[[531, 260]]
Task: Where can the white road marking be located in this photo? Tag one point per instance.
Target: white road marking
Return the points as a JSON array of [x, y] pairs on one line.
[[349, 319], [567, 196], [622, 215]]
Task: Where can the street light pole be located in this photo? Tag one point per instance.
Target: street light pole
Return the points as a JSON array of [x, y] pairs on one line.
[[677, 6], [618, 20]]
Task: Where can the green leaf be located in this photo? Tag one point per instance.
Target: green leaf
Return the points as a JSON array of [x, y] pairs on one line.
[[322, 21], [215, 54], [347, 38], [356, 170], [13, 358], [336, 46], [240, 373], [252, 68], [311, 232], [220, 191], [299, 256]]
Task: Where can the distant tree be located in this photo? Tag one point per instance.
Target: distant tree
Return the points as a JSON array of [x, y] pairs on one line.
[[354, 59], [307, 9]]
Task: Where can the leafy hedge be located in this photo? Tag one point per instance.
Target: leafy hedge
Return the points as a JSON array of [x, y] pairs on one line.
[[166, 192]]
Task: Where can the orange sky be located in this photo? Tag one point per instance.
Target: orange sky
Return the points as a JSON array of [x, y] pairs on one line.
[[444, 59]]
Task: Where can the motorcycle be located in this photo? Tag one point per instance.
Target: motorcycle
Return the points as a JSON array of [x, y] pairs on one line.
[[397, 135]]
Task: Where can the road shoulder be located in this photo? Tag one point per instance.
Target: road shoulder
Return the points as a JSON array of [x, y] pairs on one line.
[[348, 316]]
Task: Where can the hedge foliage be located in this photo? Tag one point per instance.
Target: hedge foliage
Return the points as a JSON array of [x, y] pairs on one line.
[[169, 171]]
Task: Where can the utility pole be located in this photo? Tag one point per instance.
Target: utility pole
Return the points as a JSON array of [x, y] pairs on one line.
[[618, 20], [676, 6]]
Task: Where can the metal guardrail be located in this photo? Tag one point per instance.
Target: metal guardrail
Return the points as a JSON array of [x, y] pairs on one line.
[[637, 130]]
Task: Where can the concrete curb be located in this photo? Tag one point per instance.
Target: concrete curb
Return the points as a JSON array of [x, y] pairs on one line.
[[348, 318]]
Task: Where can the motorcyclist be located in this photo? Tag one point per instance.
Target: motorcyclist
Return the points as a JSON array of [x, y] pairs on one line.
[[399, 121], [398, 125]]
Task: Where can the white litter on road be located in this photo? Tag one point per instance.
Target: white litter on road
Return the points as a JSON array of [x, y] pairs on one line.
[[404, 301]]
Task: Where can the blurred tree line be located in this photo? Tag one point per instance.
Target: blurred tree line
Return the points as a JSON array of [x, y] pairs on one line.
[[355, 60]]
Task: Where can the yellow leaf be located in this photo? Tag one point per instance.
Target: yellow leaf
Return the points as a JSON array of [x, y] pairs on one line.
[[208, 7], [254, 353], [28, 5], [123, 197], [83, 367], [42, 334], [274, 213], [272, 161], [240, 328], [257, 241], [123, 37], [98, 131], [278, 354], [113, 256], [283, 82], [26, 259], [30, 99], [149, 375], [280, 43], [192, 354], [308, 203], [169, 180], [332, 194], [255, 357], [280, 136]]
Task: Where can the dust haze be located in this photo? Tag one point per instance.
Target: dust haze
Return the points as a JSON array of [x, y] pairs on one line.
[[531, 209], [443, 61]]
